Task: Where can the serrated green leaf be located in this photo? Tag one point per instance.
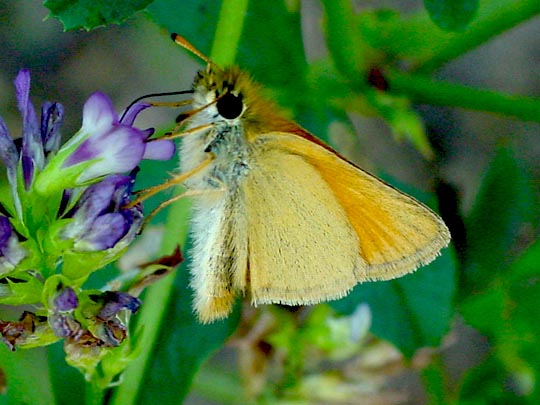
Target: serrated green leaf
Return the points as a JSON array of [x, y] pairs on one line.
[[451, 15], [23, 289], [89, 14]]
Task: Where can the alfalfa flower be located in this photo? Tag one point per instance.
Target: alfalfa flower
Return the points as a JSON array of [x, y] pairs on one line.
[[66, 212], [101, 218], [104, 145], [11, 250]]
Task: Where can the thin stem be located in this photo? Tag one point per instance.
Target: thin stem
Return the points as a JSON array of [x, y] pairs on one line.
[[497, 16], [425, 90], [94, 393], [228, 31], [417, 42], [350, 52]]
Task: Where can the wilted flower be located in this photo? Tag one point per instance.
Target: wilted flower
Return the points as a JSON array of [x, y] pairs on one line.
[[21, 332]]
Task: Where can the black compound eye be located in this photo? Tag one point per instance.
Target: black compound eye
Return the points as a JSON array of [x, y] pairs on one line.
[[230, 106]]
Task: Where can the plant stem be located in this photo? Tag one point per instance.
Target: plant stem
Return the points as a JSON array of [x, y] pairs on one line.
[[228, 31], [495, 17], [425, 90], [435, 380], [94, 393], [156, 301], [349, 50]]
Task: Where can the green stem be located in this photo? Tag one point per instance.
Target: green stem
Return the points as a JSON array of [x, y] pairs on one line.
[[157, 296], [494, 17], [435, 379], [425, 90], [156, 301], [94, 394], [228, 31], [349, 51]]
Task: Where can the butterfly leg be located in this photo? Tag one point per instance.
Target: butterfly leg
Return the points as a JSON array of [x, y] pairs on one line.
[[180, 178]]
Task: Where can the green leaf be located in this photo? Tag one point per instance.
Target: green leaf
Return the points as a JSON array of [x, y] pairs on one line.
[[89, 14], [413, 311], [506, 208], [281, 62], [488, 383], [22, 289], [27, 375], [400, 115], [68, 382], [507, 313], [451, 15], [501, 292], [193, 20]]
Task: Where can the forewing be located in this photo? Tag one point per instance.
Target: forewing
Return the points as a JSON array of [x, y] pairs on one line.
[[301, 247], [396, 234]]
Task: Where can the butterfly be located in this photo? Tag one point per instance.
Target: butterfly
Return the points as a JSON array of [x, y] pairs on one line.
[[277, 214]]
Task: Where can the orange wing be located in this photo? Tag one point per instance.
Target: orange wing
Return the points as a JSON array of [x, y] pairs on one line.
[[396, 233]]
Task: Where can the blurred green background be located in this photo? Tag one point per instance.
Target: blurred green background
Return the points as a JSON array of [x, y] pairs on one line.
[[476, 308]]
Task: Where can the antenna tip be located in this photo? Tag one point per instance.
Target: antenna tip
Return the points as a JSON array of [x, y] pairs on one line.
[[173, 36]]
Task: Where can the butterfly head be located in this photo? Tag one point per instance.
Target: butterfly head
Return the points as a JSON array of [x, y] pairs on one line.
[[228, 90], [229, 96]]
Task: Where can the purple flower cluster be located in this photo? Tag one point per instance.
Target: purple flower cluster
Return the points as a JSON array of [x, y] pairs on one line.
[[99, 219], [68, 213], [87, 171]]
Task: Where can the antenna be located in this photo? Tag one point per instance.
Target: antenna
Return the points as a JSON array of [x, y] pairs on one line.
[[184, 43], [169, 93]]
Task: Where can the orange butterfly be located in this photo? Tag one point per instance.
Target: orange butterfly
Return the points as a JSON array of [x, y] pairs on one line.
[[280, 216]]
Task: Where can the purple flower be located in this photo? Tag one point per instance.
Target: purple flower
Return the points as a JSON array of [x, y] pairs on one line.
[[51, 121], [11, 252], [66, 300], [10, 157], [38, 139], [32, 154], [116, 301], [99, 219], [115, 146]]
